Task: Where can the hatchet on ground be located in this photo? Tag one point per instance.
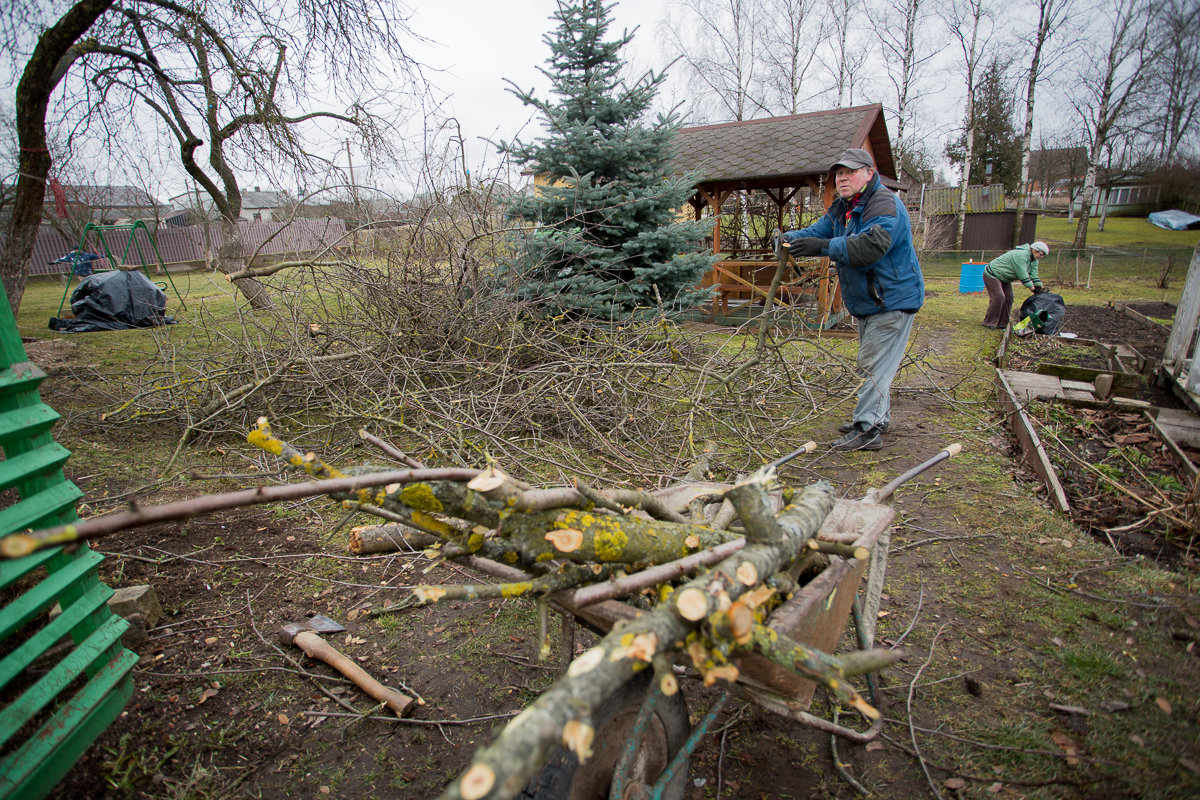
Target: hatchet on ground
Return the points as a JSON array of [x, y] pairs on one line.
[[306, 635]]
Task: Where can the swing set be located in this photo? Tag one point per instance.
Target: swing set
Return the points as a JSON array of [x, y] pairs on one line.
[[115, 264]]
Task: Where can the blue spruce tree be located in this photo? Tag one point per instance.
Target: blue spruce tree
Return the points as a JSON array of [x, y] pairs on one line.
[[605, 239]]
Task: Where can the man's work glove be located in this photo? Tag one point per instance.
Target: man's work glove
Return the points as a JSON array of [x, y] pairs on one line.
[[1039, 289], [808, 246]]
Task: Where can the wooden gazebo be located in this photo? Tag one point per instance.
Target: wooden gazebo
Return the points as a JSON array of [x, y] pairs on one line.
[[764, 164]]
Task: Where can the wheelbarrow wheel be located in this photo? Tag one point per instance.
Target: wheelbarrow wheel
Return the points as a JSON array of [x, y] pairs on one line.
[[564, 778]]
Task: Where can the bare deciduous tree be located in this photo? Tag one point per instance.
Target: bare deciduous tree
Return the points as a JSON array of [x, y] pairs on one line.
[[905, 29], [846, 58], [1051, 16], [719, 44], [792, 33], [224, 81], [52, 55], [1177, 73], [971, 24], [1114, 70]]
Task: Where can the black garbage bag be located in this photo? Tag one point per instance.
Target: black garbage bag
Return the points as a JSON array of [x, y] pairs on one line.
[[114, 301], [1046, 312]]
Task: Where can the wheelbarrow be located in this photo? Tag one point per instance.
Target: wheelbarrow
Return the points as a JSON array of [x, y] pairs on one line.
[[644, 739]]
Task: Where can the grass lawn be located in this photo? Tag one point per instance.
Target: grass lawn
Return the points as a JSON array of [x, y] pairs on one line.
[[1119, 232]]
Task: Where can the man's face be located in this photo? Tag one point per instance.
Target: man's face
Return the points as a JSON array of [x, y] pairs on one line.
[[850, 182]]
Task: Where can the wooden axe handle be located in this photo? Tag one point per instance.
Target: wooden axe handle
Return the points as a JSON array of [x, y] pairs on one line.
[[318, 648]]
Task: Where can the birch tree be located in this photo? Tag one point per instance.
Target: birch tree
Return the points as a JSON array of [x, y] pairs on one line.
[[846, 58], [719, 45], [971, 25], [1051, 15], [793, 31], [1114, 70], [1177, 74], [905, 30]]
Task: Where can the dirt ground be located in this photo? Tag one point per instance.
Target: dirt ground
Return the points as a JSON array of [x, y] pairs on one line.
[[222, 709]]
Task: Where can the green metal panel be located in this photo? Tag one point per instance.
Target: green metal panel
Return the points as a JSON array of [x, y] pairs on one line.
[[42, 509], [35, 698], [62, 625], [90, 684], [46, 458], [33, 770], [13, 571], [46, 593]]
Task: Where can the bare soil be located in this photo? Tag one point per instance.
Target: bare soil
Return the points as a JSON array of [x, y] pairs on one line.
[[221, 709]]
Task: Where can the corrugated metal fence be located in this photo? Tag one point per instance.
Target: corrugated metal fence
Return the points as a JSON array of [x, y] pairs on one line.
[[191, 243]]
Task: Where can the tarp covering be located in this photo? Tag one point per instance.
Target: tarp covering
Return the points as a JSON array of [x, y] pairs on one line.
[[1047, 306], [1175, 220], [114, 301]]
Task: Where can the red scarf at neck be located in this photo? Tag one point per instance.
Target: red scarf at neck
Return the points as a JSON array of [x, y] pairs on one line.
[[850, 204]]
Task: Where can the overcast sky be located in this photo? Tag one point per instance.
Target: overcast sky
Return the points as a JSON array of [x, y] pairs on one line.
[[477, 44]]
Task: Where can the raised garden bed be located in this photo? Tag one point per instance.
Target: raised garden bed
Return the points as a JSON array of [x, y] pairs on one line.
[[1113, 449], [1122, 481]]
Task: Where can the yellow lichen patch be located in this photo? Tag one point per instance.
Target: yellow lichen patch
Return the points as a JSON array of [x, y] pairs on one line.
[[609, 542], [586, 662], [475, 541], [420, 496], [429, 594], [565, 540], [432, 524], [516, 589], [577, 737], [262, 438], [644, 646], [747, 573], [510, 557]]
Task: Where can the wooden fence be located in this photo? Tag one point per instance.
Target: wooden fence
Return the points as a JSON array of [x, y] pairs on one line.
[[191, 244]]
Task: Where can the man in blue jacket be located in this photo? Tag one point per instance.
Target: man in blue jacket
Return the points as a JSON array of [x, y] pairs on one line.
[[867, 236]]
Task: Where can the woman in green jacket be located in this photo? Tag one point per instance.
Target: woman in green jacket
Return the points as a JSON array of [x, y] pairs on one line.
[[1021, 265]]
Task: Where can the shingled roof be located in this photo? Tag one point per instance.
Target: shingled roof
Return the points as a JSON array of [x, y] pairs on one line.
[[779, 151]]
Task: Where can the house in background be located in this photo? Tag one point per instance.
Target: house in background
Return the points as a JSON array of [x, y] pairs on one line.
[[193, 208], [102, 205]]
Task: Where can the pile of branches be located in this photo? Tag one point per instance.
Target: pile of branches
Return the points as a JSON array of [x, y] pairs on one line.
[[454, 373], [567, 537]]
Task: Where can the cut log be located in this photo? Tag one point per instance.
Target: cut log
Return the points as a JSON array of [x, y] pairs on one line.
[[388, 539]]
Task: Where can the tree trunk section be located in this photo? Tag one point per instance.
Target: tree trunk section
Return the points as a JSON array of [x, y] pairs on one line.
[[231, 258], [45, 68]]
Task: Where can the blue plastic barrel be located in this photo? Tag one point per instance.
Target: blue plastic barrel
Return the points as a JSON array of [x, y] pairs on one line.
[[970, 280]]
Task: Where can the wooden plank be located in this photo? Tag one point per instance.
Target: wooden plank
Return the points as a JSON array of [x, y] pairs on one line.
[[1183, 426], [1031, 445], [1168, 434], [1031, 386], [1187, 320]]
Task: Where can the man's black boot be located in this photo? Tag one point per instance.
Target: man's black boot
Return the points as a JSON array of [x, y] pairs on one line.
[[859, 439], [846, 427]]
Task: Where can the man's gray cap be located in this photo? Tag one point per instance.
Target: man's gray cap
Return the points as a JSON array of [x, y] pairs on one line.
[[855, 158]]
